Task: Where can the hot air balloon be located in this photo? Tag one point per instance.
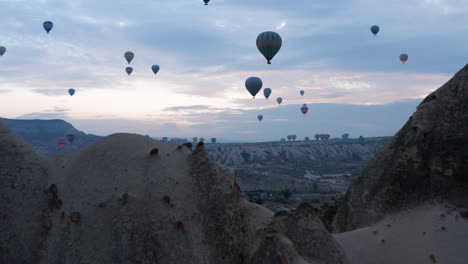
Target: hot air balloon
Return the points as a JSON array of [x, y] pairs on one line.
[[71, 137], [317, 136], [206, 1], [48, 26], [302, 92], [375, 29], [195, 139], [404, 58], [267, 92], [307, 139], [269, 43], [202, 139], [71, 91], [129, 56], [304, 109], [253, 85], [61, 142], [155, 68], [260, 118], [213, 140], [279, 100], [129, 70], [2, 50]]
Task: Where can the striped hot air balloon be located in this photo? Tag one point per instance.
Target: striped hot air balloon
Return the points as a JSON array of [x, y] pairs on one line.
[[71, 137], [304, 109], [269, 43], [61, 142], [404, 58]]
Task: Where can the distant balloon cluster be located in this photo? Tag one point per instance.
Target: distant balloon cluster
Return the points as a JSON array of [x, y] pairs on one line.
[[268, 44], [129, 55]]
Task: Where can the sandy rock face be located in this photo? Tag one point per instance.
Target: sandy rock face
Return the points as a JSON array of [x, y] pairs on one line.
[[426, 160], [298, 237], [119, 201]]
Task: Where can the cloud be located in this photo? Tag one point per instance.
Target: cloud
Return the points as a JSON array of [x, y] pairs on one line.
[[56, 113], [190, 107], [336, 119]]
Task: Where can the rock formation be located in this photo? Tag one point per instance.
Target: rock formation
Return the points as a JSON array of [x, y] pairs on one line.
[[426, 160], [114, 202], [23, 200]]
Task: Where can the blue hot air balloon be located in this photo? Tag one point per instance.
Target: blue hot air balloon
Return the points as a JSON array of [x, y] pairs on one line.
[[260, 118], [129, 70], [155, 68], [2, 50], [129, 56], [302, 92], [375, 29], [269, 43], [279, 100], [253, 85], [48, 26], [206, 1], [404, 57], [71, 91], [267, 92]]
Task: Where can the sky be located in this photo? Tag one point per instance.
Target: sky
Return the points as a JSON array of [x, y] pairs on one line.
[[207, 52]]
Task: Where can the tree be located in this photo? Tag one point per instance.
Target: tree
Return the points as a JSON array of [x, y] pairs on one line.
[[345, 136]]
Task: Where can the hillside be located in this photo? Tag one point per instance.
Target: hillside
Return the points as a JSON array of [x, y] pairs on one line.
[[302, 166], [122, 201], [42, 135]]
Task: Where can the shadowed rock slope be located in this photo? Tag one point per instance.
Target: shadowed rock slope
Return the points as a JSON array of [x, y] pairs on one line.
[[114, 202], [426, 160], [23, 179]]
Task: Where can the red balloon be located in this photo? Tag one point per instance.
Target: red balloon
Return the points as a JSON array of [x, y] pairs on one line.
[[61, 142]]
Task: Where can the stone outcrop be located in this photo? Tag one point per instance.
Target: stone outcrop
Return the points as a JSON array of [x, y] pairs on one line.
[[115, 202], [426, 160]]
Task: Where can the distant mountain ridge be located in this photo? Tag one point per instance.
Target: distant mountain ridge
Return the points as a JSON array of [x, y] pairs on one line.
[[42, 135]]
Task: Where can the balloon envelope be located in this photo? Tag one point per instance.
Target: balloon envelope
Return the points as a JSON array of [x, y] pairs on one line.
[[155, 68], [206, 1], [2, 50], [129, 56], [269, 43], [260, 118], [129, 70], [253, 85], [404, 58], [213, 140], [267, 92], [304, 109], [71, 137], [71, 91], [375, 29], [302, 92], [48, 26], [279, 100], [61, 142]]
